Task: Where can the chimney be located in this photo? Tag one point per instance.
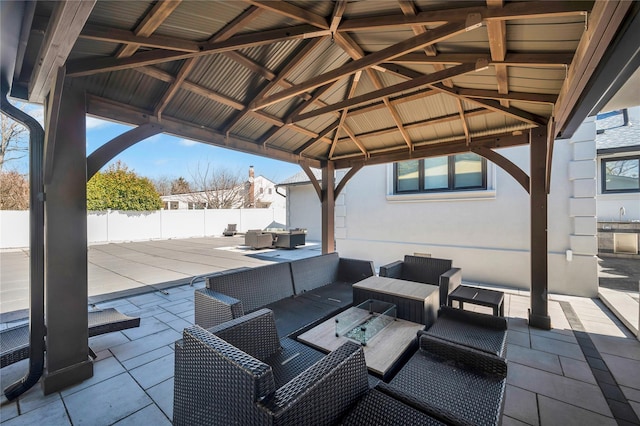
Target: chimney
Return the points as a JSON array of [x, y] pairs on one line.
[[252, 188]]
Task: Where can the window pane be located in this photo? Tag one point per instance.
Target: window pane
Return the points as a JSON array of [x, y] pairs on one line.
[[622, 175], [468, 171], [436, 173], [408, 176]]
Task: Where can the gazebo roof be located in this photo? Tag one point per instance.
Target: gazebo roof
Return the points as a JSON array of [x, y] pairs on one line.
[[309, 81]]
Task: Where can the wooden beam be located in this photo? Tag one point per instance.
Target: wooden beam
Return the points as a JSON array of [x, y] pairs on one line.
[[312, 178], [439, 34], [52, 108], [101, 156], [291, 11], [465, 126], [355, 140], [328, 207], [290, 65], [603, 24], [152, 20], [551, 131], [416, 83], [236, 24], [185, 69], [505, 164], [84, 67], [67, 20], [338, 12], [516, 113], [511, 11], [324, 132], [497, 31], [115, 35], [192, 87], [541, 98], [346, 178], [353, 85], [434, 150], [543, 60], [135, 116]]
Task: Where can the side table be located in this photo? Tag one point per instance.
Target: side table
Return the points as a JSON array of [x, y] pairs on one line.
[[478, 296]]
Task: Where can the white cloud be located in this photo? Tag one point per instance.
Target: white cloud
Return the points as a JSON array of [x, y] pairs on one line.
[[187, 142], [96, 123]]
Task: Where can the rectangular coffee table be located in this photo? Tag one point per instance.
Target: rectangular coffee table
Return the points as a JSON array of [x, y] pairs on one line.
[[415, 302], [381, 351]]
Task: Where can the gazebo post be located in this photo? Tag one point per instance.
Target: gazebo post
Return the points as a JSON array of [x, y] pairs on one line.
[[538, 145], [328, 202], [66, 280]]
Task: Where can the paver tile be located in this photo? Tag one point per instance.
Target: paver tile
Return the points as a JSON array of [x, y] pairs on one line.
[[51, 414], [154, 372], [626, 371], [568, 390], [118, 397], [8, 411], [571, 350], [533, 358], [518, 338], [162, 395], [553, 413], [147, 357], [521, 405], [102, 370], [578, 370], [145, 344], [149, 415], [149, 325]]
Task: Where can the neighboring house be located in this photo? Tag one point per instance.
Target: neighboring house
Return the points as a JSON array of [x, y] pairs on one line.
[[256, 192], [618, 179], [466, 209], [303, 204]]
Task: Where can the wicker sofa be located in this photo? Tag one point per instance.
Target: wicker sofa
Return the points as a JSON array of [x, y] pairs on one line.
[[298, 292], [427, 270], [457, 381], [239, 373]]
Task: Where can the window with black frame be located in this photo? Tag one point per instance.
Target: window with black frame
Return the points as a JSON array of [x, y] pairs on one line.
[[460, 172], [620, 174]]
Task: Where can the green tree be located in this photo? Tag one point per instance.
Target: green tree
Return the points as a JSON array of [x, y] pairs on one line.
[[119, 188]]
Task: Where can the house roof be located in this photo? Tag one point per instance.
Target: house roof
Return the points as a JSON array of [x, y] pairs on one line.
[[312, 81], [301, 178], [613, 135]]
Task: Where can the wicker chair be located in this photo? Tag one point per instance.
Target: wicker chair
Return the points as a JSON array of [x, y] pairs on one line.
[[257, 239], [483, 332], [461, 382], [236, 373], [427, 270]]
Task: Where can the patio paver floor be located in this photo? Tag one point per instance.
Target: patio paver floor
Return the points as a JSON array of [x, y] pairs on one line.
[[549, 380]]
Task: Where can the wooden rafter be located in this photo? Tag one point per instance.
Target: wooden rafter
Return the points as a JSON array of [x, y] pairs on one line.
[[439, 34], [291, 64], [126, 113], [353, 85], [291, 11], [173, 88], [423, 123], [351, 47], [65, 25], [463, 121], [541, 98], [152, 20], [497, 31], [516, 113], [324, 132], [83, 67], [384, 156], [416, 83], [543, 60], [604, 20], [336, 18], [511, 11]]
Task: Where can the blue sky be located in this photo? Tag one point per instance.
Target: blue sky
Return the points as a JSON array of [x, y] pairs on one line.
[[169, 156]]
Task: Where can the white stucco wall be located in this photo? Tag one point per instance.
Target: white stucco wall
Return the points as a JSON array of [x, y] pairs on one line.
[[304, 210], [488, 236]]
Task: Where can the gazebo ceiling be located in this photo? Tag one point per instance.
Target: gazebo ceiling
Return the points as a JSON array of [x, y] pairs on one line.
[[310, 81]]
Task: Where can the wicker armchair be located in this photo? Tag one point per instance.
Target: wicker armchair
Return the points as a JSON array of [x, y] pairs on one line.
[[427, 270], [227, 375], [257, 239], [483, 332], [456, 381]]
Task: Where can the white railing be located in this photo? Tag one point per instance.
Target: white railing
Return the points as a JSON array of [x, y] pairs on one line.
[[118, 226]]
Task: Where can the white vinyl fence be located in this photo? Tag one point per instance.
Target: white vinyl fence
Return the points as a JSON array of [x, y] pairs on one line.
[[118, 226]]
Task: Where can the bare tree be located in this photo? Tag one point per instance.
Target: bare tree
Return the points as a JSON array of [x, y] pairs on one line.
[[217, 188], [14, 191], [15, 140], [162, 185]]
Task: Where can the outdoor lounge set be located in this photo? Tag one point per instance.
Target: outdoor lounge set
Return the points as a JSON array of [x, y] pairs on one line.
[[242, 363]]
